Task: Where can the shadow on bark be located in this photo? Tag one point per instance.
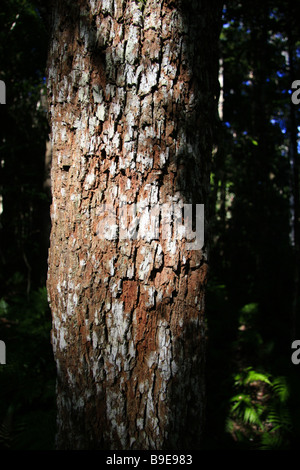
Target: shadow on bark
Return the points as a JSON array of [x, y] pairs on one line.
[[192, 118]]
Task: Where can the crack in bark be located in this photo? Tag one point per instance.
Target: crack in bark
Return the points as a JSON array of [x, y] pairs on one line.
[[127, 314]]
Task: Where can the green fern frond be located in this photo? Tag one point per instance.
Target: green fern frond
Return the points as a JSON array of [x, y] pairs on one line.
[[10, 430], [229, 425], [5, 437], [254, 376], [270, 441], [240, 400], [280, 419], [249, 376], [252, 416], [281, 388], [6, 430]]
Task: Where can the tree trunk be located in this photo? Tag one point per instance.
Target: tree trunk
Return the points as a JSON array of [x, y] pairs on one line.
[[295, 193], [132, 101]]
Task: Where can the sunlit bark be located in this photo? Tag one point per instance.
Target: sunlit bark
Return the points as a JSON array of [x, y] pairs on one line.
[[132, 103]]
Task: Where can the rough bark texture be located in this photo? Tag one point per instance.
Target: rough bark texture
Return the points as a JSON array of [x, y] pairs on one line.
[[132, 99]]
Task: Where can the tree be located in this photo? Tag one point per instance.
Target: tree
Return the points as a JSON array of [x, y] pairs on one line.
[[133, 96]]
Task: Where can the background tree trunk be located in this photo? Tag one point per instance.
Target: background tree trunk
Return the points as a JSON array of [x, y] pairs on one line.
[[132, 102]]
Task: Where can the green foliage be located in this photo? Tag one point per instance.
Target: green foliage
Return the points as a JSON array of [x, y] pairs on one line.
[[3, 307], [248, 315], [250, 376], [252, 256], [249, 298], [259, 411], [8, 432]]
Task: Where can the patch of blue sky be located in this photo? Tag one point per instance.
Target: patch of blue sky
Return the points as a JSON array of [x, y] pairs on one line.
[[281, 123]]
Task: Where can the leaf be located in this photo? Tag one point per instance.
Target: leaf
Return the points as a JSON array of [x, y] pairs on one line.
[[281, 389], [251, 416], [3, 308], [271, 441], [254, 376]]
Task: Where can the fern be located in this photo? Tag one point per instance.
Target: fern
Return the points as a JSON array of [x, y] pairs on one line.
[[9, 430], [249, 376], [271, 441], [244, 408], [260, 409], [281, 389], [5, 435], [254, 376], [252, 415], [3, 308], [280, 419]]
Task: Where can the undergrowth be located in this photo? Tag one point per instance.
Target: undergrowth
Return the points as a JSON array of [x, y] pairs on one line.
[[27, 380], [259, 411]]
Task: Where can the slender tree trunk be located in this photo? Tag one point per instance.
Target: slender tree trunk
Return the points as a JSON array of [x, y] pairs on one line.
[[132, 89], [295, 206]]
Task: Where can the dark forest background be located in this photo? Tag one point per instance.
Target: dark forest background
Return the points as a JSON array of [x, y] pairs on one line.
[[252, 305]]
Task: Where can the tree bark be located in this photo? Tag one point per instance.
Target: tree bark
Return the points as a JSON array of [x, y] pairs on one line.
[[132, 102]]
